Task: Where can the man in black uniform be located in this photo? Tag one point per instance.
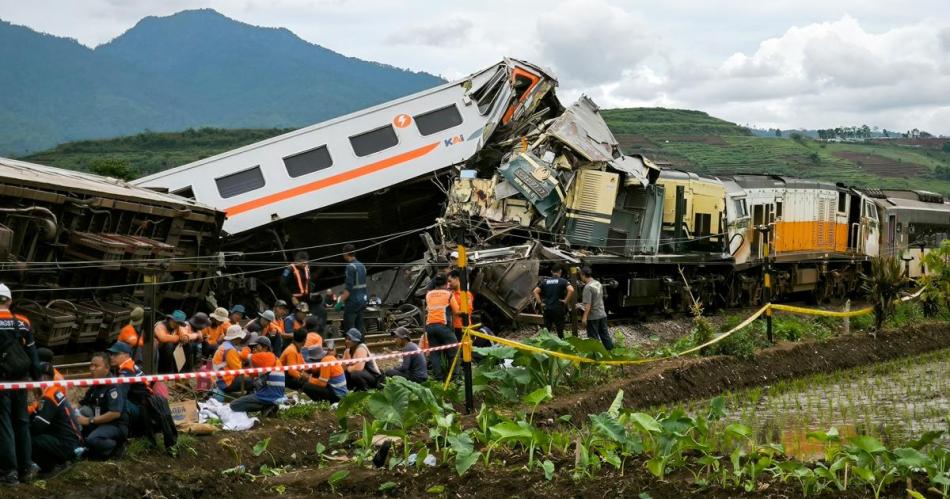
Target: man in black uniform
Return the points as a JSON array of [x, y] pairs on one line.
[[19, 362], [554, 293], [102, 413], [54, 430]]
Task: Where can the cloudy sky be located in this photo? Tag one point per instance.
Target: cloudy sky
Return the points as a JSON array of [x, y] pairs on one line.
[[801, 63]]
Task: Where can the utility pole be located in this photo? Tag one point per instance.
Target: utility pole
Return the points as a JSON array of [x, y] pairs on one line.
[[765, 229], [148, 331], [466, 336]]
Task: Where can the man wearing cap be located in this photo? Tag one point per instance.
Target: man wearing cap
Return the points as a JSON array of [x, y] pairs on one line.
[[195, 329], [265, 325], [592, 304], [54, 430], [269, 386], [123, 365], [214, 334], [237, 314], [413, 365], [440, 308], [281, 312], [131, 333], [363, 375], [169, 333], [553, 294], [16, 338], [102, 413], [353, 299], [293, 356], [229, 357]]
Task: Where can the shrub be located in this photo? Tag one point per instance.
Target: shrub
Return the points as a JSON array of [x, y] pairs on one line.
[[882, 286]]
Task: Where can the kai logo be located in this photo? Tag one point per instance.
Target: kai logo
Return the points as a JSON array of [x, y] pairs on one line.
[[451, 141], [402, 120]]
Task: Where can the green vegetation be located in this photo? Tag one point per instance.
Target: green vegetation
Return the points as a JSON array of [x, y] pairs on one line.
[[148, 152]]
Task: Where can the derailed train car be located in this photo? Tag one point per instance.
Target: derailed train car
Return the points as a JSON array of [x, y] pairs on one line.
[[661, 238], [77, 248]]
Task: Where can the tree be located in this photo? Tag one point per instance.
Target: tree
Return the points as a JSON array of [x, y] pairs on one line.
[[946, 147], [111, 167], [778, 132]]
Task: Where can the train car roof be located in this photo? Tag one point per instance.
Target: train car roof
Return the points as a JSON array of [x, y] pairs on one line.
[[771, 181], [511, 62], [21, 173], [911, 204]]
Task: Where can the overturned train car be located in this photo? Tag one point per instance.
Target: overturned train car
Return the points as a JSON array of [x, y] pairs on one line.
[[77, 249]]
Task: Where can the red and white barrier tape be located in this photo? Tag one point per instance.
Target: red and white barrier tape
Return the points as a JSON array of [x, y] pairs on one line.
[[30, 385]]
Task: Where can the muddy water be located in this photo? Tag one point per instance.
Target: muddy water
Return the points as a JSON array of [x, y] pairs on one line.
[[894, 402]]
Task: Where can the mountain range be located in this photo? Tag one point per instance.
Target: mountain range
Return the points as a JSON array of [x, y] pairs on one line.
[[196, 68]]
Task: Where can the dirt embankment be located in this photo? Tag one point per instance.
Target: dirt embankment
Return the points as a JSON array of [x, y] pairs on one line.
[[678, 380]]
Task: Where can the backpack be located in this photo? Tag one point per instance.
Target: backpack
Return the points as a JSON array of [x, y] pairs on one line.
[[14, 363]]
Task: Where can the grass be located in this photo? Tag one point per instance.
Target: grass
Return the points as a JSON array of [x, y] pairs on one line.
[[303, 411]]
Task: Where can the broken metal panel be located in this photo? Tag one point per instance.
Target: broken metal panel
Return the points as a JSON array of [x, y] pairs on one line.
[[583, 129], [535, 180], [591, 208], [638, 170]]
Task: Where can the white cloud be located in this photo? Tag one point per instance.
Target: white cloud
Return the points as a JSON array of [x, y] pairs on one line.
[[593, 42], [451, 33]]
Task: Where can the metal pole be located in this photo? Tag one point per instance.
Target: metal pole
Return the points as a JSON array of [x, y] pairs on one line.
[[466, 337], [768, 283], [148, 331]]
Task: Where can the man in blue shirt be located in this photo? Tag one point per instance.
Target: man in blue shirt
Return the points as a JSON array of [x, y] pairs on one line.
[[102, 413], [353, 300], [413, 366]]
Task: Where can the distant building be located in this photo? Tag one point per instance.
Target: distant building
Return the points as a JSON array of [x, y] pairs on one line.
[[915, 134]]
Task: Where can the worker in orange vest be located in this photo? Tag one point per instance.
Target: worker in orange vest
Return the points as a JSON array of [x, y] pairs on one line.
[[296, 281], [441, 306], [214, 334]]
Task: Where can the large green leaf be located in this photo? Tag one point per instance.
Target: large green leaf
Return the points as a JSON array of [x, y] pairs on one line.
[[461, 443], [646, 422], [868, 444], [548, 467], [926, 439], [739, 430], [657, 466], [608, 427], [349, 405], [912, 458], [390, 404], [864, 474], [614, 409], [540, 395], [509, 430], [465, 461], [717, 408]]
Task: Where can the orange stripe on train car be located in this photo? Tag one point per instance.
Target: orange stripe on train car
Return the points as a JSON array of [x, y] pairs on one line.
[[330, 181]]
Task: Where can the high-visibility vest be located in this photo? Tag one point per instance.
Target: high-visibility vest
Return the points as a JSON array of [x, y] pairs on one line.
[[438, 303], [303, 281]]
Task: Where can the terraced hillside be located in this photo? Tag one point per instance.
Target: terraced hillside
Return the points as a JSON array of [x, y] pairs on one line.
[[690, 140], [695, 141]]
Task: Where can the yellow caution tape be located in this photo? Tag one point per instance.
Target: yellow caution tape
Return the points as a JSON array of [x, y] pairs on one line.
[[473, 331]]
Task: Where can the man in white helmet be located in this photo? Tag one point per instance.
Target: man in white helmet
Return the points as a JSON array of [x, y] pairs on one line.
[[18, 362]]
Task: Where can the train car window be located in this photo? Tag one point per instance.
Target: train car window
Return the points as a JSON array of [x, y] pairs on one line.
[[702, 224], [309, 161], [185, 192], [842, 202], [374, 141], [778, 209], [742, 209], [238, 183], [438, 120]]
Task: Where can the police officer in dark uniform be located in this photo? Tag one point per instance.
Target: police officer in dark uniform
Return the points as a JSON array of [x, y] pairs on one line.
[[554, 293], [353, 299], [16, 342], [102, 413], [54, 429]]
